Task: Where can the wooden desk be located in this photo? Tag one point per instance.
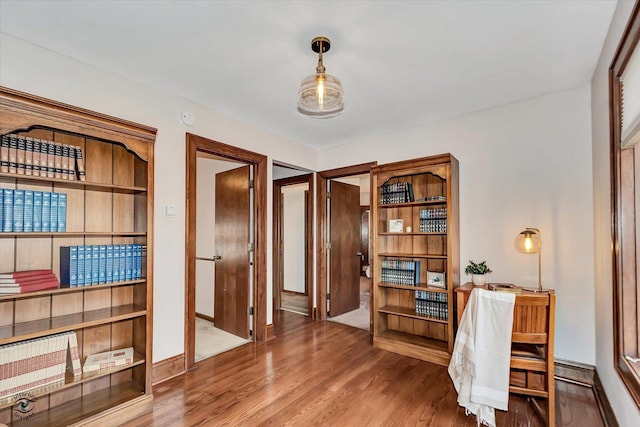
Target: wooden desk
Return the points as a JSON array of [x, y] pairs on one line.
[[532, 338]]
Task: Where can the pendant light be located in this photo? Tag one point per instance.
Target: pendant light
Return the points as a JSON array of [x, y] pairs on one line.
[[320, 95]]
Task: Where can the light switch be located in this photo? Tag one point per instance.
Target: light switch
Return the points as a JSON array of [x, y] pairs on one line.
[[169, 210]]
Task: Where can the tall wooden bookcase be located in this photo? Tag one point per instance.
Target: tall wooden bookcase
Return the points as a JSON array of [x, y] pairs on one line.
[[113, 206], [415, 324]]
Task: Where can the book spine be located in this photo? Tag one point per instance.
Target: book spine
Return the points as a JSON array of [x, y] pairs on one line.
[[4, 153], [1, 209], [116, 263], [58, 160], [74, 352], [51, 159], [7, 210], [53, 215], [18, 211], [37, 211], [69, 266], [46, 211], [28, 211], [65, 161], [72, 163], [13, 153], [128, 273], [62, 212], [88, 263], [123, 263], [20, 155], [102, 269], [35, 163], [80, 268], [80, 164], [28, 156], [109, 267], [138, 261], [95, 264]]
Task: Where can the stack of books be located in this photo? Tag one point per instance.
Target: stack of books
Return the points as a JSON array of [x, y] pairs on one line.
[[32, 211], [433, 220], [23, 155], [38, 362], [398, 192], [432, 304], [97, 264], [108, 360], [401, 272], [18, 282]]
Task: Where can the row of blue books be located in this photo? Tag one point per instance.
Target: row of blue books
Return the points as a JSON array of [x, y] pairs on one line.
[[96, 264], [401, 272], [32, 211]]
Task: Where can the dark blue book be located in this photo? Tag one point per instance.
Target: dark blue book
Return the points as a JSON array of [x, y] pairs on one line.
[[69, 266], [128, 272], [46, 211], [123, 261], [7, 209], [1, 208], [109, 270], [37, 211], [138, 261], [53, 216], [18, 211], [62, 212], [81, 265], [116, 263], [102, 265], [28, 211], [88, 263], [95, 264], [416, 280]]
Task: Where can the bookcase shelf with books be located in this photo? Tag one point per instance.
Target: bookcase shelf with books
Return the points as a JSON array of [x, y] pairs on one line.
[[416, 256], [113, 205]]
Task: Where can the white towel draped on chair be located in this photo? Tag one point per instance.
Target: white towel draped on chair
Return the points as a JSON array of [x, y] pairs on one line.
[[479, 364]]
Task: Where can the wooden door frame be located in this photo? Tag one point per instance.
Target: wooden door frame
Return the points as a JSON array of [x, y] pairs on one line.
[[197, 143], [278, 261], [321, 261]]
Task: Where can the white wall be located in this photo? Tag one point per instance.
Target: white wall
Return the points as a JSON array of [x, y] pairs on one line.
[[206, 170], [31, 69], [294, 236], [624, 407], [526, 164]]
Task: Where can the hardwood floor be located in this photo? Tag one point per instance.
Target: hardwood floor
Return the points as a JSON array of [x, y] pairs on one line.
[[324, 373]]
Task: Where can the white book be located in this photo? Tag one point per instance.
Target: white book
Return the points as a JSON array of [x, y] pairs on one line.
[[108, 359], [74, 354]]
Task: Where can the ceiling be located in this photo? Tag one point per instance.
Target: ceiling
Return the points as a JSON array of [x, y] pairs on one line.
[[402, 63]]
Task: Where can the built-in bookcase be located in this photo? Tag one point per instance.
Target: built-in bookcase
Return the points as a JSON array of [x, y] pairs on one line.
[[416, 256], [113, 206]]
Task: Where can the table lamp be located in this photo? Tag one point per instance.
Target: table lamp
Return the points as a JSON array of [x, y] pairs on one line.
[[528, 241]]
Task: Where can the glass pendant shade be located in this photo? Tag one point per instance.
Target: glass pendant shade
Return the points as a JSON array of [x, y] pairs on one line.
[[321, 96], [528, 241]]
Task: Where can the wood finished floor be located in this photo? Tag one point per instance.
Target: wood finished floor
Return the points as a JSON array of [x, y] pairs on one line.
[[328, 374]]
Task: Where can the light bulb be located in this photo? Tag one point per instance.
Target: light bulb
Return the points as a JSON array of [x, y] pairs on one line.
[[320, 91], [528, 244]]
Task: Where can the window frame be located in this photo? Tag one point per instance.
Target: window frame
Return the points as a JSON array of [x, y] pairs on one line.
[[628, 371]]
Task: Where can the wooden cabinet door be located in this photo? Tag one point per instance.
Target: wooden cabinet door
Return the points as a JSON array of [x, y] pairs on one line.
[[345, 246], [231, 294]]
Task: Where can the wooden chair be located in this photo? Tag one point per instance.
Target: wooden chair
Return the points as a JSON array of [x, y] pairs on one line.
[[532, 366]]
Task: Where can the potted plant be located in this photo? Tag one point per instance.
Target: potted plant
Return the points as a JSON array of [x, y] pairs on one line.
[[477, 271]]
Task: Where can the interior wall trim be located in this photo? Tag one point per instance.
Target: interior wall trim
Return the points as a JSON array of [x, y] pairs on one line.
[[168, 368]]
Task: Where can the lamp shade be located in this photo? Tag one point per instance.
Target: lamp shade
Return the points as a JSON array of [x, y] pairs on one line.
[[528, 241], [321, 96]]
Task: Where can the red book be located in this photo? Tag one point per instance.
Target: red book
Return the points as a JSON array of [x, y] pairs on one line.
[[25, 273], [20, 289], [25, 276]]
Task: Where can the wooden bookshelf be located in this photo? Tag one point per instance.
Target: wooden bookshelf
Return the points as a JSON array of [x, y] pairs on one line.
[[399, 324], [113, 206]]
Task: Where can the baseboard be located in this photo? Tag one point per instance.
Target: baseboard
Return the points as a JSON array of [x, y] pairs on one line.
[[270, 332], [204, 316], [587, 376], [168, 368]]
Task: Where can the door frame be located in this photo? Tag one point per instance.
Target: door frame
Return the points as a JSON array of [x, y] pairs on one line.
[[197, 143], [278, 261], [320, 313]]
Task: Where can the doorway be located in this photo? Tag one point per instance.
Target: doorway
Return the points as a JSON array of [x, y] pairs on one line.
[[293, 206], [239, 254], [330, 229]]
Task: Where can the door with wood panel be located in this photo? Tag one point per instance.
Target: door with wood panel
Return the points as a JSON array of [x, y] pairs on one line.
[[231, 294], [344, 258]]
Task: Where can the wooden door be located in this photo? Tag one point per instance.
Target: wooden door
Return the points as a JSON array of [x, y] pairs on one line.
[[344, 277], [231, 295]]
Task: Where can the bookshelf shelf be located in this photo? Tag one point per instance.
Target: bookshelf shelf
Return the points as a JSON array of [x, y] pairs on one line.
[[70, 380], [113, 206], [400, 322]]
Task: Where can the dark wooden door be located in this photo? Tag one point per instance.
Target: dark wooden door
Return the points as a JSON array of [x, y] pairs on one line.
[[231, 296], [344, 277]]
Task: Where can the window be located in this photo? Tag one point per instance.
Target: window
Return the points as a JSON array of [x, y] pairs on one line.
[[624, 87]]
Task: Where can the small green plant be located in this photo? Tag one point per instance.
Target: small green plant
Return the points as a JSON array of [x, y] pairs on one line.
[[477, 268]]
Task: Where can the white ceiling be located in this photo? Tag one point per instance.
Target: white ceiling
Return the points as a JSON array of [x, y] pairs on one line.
[[402, 63]]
